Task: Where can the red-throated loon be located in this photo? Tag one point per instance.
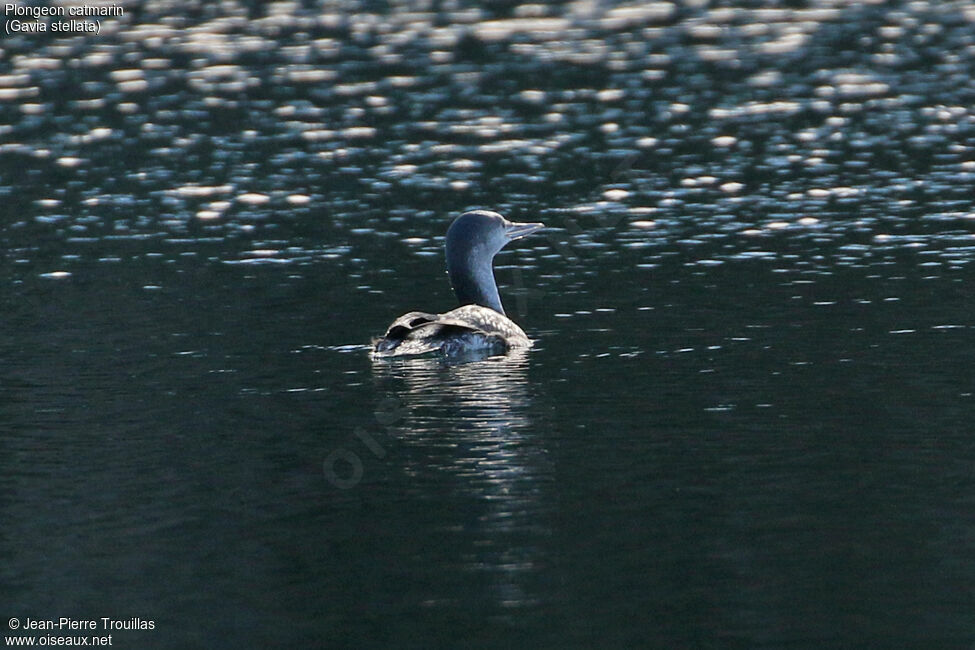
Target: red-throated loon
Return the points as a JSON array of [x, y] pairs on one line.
[[479, 325]]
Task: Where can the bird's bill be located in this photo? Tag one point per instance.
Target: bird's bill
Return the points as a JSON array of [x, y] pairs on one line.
[[518, 230]]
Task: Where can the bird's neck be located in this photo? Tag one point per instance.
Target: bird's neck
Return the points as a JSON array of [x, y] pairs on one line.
[[474, 284]]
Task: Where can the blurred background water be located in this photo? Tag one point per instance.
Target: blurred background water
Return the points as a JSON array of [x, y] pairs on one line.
[[746, 420]]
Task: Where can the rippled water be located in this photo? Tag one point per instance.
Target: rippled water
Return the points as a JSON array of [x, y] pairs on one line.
[[746, 419]]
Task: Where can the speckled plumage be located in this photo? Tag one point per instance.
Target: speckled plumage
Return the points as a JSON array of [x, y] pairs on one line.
[[471, 328]]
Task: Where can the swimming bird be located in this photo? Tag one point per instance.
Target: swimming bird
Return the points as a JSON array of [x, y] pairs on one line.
[[479, 326]]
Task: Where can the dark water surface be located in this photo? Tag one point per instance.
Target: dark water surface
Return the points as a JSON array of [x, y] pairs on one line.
[[747, 418]]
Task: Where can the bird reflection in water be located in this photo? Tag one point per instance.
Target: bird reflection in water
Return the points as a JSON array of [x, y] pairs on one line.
[[468, 432]]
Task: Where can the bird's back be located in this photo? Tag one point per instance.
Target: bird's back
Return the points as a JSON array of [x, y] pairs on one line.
[[467, 330]]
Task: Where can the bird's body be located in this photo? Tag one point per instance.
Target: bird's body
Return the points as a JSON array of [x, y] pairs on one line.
[[471, 328], [479, 326]]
